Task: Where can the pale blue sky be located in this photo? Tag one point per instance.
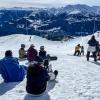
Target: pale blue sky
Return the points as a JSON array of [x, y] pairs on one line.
[[45, 3]]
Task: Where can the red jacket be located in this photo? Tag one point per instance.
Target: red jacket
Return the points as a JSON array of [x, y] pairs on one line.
[[31, 54]]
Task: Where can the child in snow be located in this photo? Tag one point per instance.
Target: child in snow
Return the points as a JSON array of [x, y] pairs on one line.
[[82, 50]]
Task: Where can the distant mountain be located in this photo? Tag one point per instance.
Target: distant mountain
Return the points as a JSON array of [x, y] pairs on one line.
[[71, 20]]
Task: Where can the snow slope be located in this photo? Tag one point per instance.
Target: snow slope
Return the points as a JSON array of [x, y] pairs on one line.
[[77, 79]]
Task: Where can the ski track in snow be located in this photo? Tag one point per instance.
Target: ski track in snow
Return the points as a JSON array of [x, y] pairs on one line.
[[77, 79]]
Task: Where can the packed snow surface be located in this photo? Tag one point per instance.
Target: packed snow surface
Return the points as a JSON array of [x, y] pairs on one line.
[[77, 79]]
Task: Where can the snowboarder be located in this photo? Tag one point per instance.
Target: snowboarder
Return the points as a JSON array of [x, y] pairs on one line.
[[48, 67], [42, 52], [37, 77], [92, 48], [82, 50], [22, 52], [10, 69], [31, 53], [77, 50]]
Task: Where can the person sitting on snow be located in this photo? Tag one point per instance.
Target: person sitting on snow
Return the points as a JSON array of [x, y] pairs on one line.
[[22, 52], [77, 50], [31, 53], [42, 52], [37, 77], [48, 67], [92, 48], [10, 69]]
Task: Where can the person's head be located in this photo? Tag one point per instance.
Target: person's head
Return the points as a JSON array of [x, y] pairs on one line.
[[78, 45], [93, 37], [38, 60], [22, 45], [42, 48], [32, 46], [8, 53]]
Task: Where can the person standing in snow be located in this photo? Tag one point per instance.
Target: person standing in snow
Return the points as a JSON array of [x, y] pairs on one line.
[[10, 69], [82, 50], [31, 53], [92, 48], [42, 52], [37, 77], [77, 50]]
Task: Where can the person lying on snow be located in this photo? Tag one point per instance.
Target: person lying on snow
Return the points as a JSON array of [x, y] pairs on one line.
[[37, 77], [10, 69], [22, 52]]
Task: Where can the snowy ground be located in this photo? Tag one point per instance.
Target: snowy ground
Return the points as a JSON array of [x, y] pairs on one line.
[[77, 79]]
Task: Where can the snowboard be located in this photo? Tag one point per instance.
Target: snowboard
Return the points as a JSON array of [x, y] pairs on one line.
[[52, 58]]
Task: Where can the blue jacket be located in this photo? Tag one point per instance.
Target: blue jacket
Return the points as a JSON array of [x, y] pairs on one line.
[[10, 70]]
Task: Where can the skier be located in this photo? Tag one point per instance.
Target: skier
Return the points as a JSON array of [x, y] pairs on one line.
[[22, 52], [10, 69], [31, 53], [82, 50], [42, 52], [37, 77], [92, 48], [48, 67], [77, 50]]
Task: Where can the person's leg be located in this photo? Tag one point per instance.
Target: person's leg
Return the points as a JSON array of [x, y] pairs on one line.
[[94, 56], [75, 53], [56, 73], [88, 55], [78, 53]]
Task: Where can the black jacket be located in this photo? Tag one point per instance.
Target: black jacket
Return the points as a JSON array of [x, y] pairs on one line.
[[92, 42], [42, 54], [37, 78]]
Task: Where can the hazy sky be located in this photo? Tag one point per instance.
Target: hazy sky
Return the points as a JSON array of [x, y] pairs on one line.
[[45, 3]]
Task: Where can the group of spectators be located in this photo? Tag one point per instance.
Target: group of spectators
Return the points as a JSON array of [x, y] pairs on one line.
[[38, 72]]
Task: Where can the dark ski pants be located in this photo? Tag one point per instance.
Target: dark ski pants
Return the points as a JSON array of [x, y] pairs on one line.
[[94, 56], [77, 53], [82, 53]]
